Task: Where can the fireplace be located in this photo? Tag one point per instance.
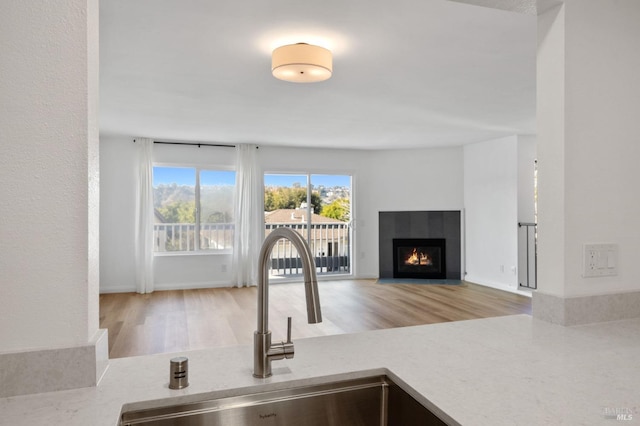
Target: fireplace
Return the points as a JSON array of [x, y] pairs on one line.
[[419, 258], [420, 224]]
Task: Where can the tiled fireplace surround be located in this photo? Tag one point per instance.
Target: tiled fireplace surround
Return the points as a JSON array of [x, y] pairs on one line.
[[420, 224]]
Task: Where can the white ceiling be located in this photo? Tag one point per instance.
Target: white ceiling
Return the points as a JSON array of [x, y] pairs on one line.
[[407, 73]]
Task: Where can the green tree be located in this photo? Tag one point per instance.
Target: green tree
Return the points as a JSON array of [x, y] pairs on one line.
[[179, 212], [339, 209], [219, 217], [290, 198]]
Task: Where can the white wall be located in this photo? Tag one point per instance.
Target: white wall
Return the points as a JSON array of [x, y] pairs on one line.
[[380, 182], [526, 171], [118, 168], [602, 139], [411, 180], [49, 175], [491, 212], [589, 143], [426, 179], [551, 151]]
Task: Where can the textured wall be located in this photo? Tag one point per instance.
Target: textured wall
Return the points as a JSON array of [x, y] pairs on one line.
[[48, 263]]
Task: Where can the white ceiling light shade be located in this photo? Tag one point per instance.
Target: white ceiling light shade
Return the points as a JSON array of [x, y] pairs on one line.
[[301, 63]]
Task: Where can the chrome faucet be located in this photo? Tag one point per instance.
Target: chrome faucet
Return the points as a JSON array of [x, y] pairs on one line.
[[263, 351]]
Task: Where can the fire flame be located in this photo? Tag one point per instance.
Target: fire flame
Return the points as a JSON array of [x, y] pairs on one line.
[[418, 258]]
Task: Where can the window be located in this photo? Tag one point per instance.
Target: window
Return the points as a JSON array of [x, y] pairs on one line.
[[319, 208], [193, 209]]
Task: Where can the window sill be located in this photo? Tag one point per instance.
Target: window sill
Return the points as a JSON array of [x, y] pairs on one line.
[[192, 253]]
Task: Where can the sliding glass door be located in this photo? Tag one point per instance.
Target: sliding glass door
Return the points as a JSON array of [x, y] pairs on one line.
[[319, 208]]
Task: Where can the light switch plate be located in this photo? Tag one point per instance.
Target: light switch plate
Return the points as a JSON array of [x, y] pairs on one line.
[[600, 260]]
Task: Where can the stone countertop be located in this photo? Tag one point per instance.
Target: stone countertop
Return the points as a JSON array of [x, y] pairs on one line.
[[511, 370]]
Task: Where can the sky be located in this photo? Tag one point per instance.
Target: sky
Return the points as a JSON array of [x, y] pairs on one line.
[[316, 180], [186, 176]]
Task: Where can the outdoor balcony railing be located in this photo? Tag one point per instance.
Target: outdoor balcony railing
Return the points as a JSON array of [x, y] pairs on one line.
[[329, 242], [181, 237]]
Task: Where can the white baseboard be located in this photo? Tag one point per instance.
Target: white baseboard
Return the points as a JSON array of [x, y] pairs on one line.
[[192, 285], [168, 286], [215, 284], [118, 289], [496, 285], [366, 277]]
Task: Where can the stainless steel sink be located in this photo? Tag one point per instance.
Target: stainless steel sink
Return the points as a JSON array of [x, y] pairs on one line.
[[371, 401]]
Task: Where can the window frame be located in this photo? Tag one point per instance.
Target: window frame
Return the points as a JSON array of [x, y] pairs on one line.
[[309, 173], [198, 167]]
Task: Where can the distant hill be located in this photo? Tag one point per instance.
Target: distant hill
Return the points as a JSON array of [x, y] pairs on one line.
[[167, 194], [216, 201]]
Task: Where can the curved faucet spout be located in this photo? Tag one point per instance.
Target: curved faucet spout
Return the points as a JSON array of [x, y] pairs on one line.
[[314, 314], [264, 352]]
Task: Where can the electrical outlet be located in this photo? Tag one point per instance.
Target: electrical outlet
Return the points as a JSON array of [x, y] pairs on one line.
[[223, 268], [600, 260]]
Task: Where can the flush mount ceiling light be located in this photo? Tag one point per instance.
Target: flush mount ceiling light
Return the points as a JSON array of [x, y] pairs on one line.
[[301, 63]]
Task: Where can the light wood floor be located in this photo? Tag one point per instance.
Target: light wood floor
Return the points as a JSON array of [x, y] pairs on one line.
[[181, 320]]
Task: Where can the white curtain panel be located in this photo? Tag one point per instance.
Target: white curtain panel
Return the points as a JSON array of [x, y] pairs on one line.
[[144, 217], [249, 216]]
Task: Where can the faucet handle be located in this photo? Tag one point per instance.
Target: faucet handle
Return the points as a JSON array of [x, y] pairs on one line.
[[288, 345]]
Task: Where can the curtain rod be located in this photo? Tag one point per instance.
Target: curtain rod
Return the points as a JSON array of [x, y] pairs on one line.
[[198, 144]]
